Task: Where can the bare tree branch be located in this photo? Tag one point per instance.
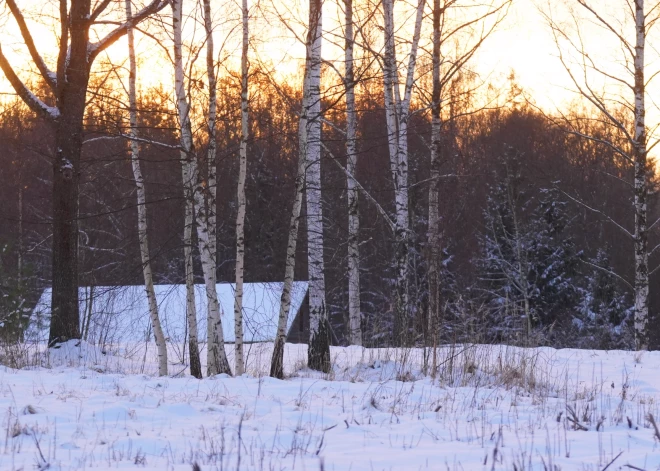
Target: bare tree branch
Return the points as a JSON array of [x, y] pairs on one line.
[[154, 7], [35, 104], [46, 73]]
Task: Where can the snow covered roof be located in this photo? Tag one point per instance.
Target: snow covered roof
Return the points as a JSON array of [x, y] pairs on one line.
[[121, 313]]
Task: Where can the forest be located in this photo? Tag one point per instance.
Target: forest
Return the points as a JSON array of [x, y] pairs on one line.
[[423, 201]]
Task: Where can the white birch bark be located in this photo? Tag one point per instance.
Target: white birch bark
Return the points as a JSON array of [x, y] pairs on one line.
[[641, 188], [141, 203], [240, 216], [216, 357], [277, 361], [191, 308], [318, 357], [354, 313], [397, 111], [434, 209]]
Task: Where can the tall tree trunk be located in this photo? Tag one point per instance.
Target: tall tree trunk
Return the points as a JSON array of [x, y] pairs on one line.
[[354, 315], [397, 111], [318, 357], [216, 357], [65, 320], [209, 216], [141, 205], [641, 188], [277, 361], [240, 216], [434, 250], [191, 307], [69, 86]]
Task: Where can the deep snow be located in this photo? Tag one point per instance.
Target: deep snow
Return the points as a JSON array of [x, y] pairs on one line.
[[488, 408]]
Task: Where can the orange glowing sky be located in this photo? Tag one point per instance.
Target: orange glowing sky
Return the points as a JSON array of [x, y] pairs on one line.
[[522, 44]]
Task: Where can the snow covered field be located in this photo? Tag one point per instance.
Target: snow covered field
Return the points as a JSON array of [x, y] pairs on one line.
[[488, 408]]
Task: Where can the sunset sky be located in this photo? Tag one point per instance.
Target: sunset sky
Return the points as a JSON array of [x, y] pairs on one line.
[[523, 44]]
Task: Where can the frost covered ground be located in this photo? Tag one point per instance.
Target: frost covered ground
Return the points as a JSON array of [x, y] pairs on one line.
[[487, 408]]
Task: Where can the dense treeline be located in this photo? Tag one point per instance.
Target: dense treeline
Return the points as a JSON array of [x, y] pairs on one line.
[[527, 210]]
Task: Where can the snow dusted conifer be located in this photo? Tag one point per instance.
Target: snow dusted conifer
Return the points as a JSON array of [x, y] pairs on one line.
[[605, 317], [528, 264]]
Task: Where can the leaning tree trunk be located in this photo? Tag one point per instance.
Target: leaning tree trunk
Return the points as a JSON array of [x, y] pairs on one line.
[[240, 216], [354, 316], [277, 361], [641, 188], [216, 357], [318, 357], [141, 205]]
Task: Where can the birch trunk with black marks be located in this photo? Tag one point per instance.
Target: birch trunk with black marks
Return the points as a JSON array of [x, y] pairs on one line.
[[354, 313], [141, 203], [434, 249], [318, 357], [191, 307], [640, 185], [277, 361], [240, 216], [207, 212], [397, 112], [196, 189]]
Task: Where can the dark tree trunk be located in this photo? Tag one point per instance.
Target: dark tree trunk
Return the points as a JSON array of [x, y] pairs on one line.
[[69, 86], [65, 321]]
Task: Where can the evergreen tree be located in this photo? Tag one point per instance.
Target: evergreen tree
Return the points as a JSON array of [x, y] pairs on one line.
[[554, 259], [528, 264], [605, 316]]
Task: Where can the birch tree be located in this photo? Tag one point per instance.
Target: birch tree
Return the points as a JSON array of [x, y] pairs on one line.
[[141, 201], [450, 25], [67, 83], [312, 43], [196, 189], [318, 357], [354, 313], [582, 68], [397, 112], [240, 216]]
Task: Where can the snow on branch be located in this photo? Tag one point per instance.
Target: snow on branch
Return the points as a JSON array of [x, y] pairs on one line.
[[46, 73], [26, 95], [133, 138]]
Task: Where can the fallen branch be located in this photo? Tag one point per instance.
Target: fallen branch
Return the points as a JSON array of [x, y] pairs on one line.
[[613, 460], [572, 416]]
